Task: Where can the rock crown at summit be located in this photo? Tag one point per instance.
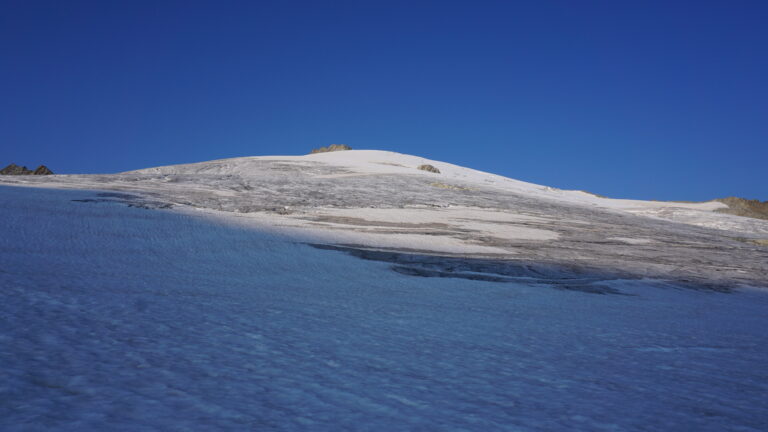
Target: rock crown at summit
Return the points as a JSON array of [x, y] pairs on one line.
[[331, 148]]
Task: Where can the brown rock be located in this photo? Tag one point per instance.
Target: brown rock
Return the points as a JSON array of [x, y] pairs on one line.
[[330, 148], [42, 170], [14, 169], [744, 207], [430, 168]]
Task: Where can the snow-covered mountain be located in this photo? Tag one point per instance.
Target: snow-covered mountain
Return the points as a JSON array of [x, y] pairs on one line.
[[379, 199], [351, 291]]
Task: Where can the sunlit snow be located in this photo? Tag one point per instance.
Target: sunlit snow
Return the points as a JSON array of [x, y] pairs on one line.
[[161, 305]]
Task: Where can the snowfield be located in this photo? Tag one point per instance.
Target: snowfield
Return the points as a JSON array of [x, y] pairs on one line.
[[350, 291]]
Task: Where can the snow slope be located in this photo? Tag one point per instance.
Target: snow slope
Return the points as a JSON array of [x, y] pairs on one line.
[[350, 291], [373, 162], [379, 199], [357, 163], [121, 318]]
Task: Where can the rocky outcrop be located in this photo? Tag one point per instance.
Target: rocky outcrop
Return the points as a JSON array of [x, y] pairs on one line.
[[42, 170], [744, 207], [331, 148], [14, 169], [430, 168]]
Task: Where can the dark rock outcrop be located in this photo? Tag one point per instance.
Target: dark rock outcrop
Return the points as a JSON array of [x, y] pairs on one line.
[[331, 148], [42, 170], [430, 168], [744, 207], [14, 169]]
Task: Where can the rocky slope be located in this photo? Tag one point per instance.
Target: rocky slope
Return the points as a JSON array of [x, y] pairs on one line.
[[745, 207]]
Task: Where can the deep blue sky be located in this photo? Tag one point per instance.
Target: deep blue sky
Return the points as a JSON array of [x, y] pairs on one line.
[[653, 100]]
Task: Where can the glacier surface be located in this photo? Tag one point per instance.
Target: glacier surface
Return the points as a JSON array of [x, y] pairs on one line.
[[156, 301]]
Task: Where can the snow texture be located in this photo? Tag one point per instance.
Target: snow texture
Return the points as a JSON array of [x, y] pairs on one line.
[[156, 303], [380, 199]]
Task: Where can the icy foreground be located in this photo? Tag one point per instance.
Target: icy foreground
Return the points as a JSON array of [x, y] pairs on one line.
[[186, 300]]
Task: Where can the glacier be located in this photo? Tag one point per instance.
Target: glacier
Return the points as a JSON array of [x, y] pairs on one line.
[[346, 291]]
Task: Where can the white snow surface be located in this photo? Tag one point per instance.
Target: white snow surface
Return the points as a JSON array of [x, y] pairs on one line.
[[369, 162], [206, 317]]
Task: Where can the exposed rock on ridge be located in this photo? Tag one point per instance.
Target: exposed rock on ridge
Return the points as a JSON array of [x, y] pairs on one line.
[[331, 148], [42, 170], [744, 207], [14, 169]]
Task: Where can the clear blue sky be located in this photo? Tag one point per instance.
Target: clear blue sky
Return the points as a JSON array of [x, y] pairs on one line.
[[653, 100]]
